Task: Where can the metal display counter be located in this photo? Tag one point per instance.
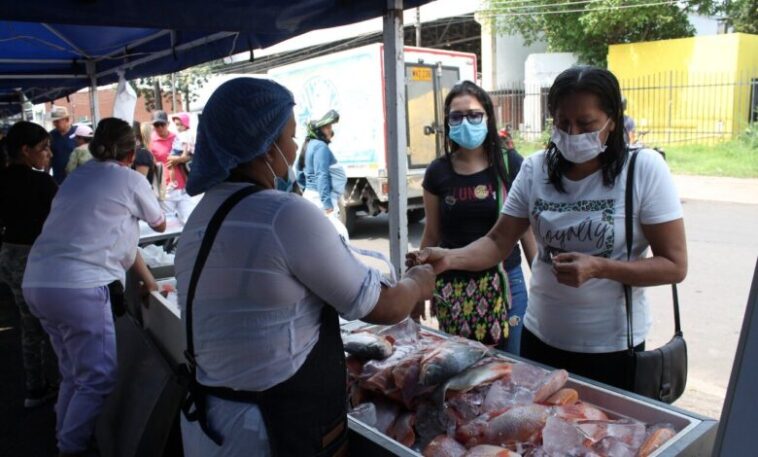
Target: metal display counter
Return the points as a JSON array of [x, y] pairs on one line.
[[695, 433], [149, 236], [695, 437]]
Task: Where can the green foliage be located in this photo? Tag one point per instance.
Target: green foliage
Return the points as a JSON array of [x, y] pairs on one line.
[[587, 27], [188, 82], [743, 15], [732, 158], [750, 136]]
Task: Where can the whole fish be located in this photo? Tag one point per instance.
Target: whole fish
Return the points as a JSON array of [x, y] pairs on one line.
[[555, 382], [366, 345], [475, 376], [487, 450], [580, 411], [566, 396], [655, 440], [520, 424], [444, 446], [448, 359], [402, 429]]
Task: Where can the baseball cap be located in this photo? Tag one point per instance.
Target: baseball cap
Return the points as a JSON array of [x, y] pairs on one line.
[[83, 131], [160, 117]]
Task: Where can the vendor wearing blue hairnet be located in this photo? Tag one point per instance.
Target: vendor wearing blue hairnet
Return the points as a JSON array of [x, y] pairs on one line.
[[262, 315]]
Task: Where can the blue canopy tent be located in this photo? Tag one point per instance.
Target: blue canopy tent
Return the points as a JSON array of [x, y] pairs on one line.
[[52, 48], [45, 61], [49, 49]]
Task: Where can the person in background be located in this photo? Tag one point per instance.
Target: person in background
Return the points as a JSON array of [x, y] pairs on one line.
[[144, 162], [61, 141], [572, 195], [315, 161], [463, 193], [630, 128], [176, 202], [184, 142], [87, 243], [26, 193], [519, 295], [277, 276], [82, 135]]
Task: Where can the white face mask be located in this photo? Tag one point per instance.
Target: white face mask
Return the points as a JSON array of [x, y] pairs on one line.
[[579, 148]]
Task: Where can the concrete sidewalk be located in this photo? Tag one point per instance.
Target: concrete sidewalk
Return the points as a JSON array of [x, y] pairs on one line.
[[714, 188]]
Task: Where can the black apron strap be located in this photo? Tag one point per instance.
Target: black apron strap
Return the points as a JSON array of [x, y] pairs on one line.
[[311, 405], [194, 396]]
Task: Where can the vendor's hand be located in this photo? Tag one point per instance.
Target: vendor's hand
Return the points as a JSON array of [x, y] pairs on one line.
[[329, 211], [574, 269], [419, 312], [436, 257], [146, 287], [424, 277]]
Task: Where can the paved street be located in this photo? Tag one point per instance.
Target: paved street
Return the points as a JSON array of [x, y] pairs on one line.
[[723, 248]]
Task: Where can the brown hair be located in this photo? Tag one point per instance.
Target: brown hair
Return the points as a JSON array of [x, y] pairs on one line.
[[114, 140]]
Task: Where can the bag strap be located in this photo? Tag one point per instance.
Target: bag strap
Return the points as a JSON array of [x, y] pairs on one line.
[[202, 256], [629, 224]]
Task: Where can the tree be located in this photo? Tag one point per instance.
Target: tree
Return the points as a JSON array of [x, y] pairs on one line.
[[188, 82], [743, 15], [587, 27]]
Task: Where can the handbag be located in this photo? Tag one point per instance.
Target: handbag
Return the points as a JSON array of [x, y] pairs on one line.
[[660, 374]]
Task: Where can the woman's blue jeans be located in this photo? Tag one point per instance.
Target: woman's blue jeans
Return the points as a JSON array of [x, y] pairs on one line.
[[519, 301]]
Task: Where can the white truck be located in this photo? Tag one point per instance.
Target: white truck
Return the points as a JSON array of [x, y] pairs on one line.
[[352, 82]]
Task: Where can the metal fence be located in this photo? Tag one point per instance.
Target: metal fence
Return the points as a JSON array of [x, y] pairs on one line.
[[668, 108]]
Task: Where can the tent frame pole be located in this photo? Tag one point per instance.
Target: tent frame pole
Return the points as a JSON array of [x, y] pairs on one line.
[[397, 160], [94, 105]]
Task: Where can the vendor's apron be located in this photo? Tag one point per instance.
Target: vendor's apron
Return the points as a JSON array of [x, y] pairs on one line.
[[306, 415]]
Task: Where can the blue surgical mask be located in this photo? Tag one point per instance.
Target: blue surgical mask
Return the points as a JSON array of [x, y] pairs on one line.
[[467, 135], [282, 184]]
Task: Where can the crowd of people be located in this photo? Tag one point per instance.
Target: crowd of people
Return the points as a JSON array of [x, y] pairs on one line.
[[264, 274]]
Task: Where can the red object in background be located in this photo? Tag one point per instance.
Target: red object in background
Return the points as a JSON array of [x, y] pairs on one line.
[[505, 135]]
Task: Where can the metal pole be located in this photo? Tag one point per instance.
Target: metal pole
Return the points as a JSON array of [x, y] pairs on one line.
[[158, 94], [94, 105], [173, 92], [397, 160], [671, 104], [418, 26], [21, 100]]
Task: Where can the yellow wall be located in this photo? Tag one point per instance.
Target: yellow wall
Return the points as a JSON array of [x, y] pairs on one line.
[[688, 89]]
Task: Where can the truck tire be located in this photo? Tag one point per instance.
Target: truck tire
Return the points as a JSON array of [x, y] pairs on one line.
[[347, 217], [415, 215]]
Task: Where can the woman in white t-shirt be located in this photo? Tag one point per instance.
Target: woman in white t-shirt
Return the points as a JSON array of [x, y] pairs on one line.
[[572, 197], [88, 241]]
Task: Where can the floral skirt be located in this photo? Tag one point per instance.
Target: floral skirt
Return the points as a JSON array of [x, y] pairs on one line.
[[474, 306]]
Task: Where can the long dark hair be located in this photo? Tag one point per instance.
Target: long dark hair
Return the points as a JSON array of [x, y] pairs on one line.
[[24, 133], [605, 86], [492, 145]]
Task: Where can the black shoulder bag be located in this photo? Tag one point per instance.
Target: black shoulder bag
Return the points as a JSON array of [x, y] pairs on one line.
[[660, 374]]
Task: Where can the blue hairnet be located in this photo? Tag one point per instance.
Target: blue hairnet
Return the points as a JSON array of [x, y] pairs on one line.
[[240, 122]]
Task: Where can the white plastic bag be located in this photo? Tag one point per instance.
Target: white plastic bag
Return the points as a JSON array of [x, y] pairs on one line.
[[126, 100]]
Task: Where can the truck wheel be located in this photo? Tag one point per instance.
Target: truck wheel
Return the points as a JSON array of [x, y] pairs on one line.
[[347, 217], [415, 215]]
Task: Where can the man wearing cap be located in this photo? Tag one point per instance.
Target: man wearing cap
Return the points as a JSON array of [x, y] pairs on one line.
[[80, 155], [177, 203], [61, 142]]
